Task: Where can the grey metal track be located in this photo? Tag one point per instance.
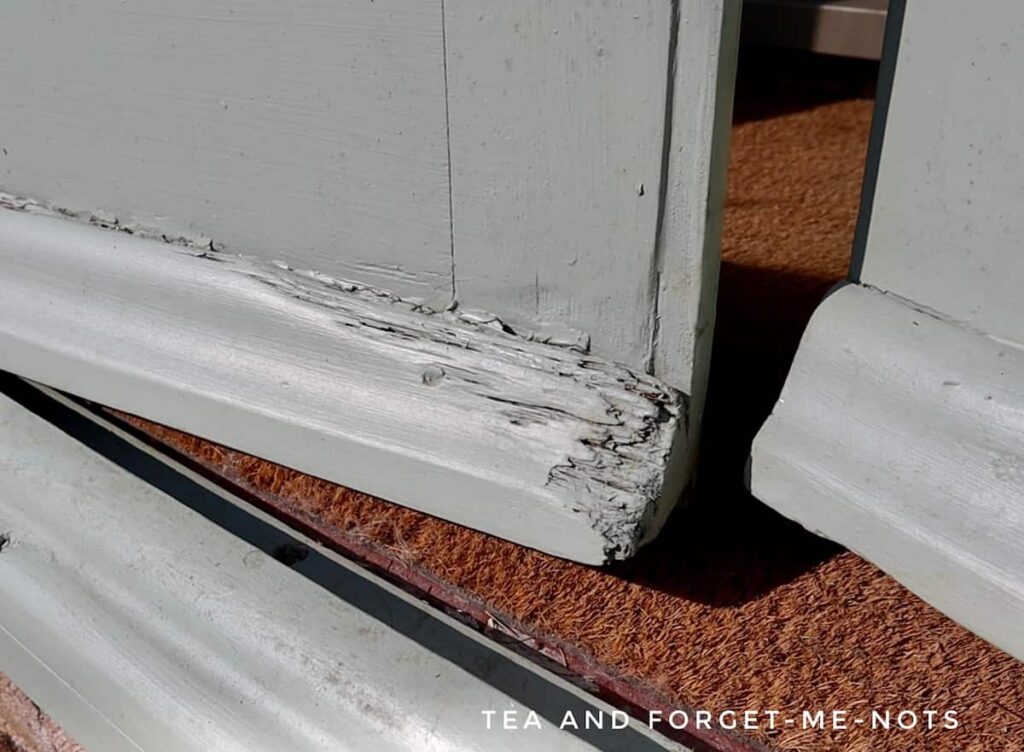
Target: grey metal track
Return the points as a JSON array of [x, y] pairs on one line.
[[851, 28], [145, 609]]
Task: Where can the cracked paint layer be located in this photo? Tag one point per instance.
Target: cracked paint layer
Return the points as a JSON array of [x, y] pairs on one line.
[[539, 432], [207, 247], [622, 422]]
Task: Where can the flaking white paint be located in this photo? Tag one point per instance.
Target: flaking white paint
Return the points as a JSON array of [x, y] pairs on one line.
[[541, 444], [555, 163], [547, 172]]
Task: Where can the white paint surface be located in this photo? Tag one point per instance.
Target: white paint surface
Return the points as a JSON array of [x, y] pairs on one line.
[[947, 230], [556, 163], [901, 436], [312, 131], [543, 445], [564, 118]]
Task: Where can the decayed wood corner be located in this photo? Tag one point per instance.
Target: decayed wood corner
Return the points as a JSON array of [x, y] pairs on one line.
[[502, 319]]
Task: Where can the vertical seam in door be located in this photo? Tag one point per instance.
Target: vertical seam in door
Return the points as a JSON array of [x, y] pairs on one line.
[[657, 261], [448, 144], [876, 139]]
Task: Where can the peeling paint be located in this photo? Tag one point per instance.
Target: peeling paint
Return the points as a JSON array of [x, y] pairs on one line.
[[531, 431], [210, 249], [623, 422], [107, 221]]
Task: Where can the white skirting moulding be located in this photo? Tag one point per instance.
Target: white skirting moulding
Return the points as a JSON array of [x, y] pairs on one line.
[[147, 609], [900, 431], [441, 411], [901, 435]]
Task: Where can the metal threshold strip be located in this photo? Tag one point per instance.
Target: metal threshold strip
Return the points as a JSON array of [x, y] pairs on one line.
[[144, 608], [851, 28]]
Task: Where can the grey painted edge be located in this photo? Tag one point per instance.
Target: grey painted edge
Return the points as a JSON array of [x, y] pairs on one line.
[[850, 28], [876, 137], [146, 609], [443, 411], [696, 159], [900, 434]]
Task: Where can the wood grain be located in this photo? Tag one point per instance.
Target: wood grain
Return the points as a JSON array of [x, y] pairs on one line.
[[312, 132], [946, 228], [562, 115], [544, 445]]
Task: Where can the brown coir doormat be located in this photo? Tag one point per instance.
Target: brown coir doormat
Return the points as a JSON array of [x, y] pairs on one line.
[[25, 728], [733, 607]]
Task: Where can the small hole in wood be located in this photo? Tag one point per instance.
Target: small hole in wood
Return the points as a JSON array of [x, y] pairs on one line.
[[290, 553]]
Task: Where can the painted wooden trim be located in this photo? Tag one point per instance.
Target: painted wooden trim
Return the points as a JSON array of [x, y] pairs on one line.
[[850, 28], [528, 197], [442, 411], [148, 610], [696, 158], [588, 150], [550, 161], [900, 434], [945, 225], [311, 131]]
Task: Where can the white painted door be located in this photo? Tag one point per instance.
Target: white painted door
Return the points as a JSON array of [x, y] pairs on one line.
[[475, 241]]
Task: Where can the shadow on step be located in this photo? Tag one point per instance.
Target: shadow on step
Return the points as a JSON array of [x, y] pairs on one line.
[[724, 547]]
